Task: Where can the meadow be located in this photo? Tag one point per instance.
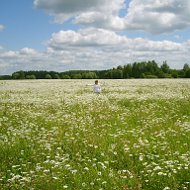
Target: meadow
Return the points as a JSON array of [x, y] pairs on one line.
[[58, 134]]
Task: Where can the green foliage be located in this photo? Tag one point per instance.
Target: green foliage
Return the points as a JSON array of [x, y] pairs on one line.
[[89, 75], [187, 74], [149, 76], [135, 136], [186, 67], [48, 76], [165, 67], [149, 69], [18, 75], [30, 77], [5, 77], [76, 76], [56, 76], [64, 76], [127, 71]]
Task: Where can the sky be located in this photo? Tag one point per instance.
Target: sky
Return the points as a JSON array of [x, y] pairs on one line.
[[62, 35]]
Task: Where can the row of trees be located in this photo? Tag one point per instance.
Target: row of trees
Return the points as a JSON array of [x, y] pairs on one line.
[[148, 69], [54, 75]]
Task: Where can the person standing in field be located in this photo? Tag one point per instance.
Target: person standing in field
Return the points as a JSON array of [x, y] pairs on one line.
[[97, 88]]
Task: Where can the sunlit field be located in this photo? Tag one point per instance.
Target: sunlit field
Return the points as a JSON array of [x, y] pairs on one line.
[[58, 134]]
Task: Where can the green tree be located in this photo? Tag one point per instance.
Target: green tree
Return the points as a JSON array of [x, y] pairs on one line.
[[186, 67], [174, 73], [127, 71], [76, 76], [89, 75], [117, 74], [165, 67], [22, 75], [161, 74], [187, 73], [30, 77], [56, 76], [120, 67], [5, 77], [181, 73], [186, 70], [64, 76], [48, 76], [136, 70], [152, 67], [108, 74], [18, 75]]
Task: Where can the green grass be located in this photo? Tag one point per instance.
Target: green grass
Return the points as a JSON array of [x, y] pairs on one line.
[[94, 142]]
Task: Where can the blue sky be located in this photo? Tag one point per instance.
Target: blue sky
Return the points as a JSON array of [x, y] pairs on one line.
[[62, 35], [24, 25]]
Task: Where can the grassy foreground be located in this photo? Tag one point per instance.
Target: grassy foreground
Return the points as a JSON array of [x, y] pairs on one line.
[[57, 134]]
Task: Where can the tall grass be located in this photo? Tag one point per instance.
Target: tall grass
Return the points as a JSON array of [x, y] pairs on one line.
[[57, 134]]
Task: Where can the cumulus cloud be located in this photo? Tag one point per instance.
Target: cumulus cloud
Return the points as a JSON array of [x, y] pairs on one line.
[[103, 49], [105, 39], [24, 59], [28, 51], [93, 49], [63, 9], [99, 13], [152, 16], [85, 37], [158, 16]]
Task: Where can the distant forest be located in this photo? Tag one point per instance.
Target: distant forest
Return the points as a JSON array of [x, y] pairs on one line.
[[148, 69]]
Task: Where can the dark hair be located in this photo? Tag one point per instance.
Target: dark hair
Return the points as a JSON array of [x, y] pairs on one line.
[[96, 81]]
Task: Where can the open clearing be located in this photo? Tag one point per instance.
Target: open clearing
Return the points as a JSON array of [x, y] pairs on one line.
[[58, 134]]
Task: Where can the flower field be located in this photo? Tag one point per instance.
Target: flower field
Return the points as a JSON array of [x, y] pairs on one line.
[[58, 134]]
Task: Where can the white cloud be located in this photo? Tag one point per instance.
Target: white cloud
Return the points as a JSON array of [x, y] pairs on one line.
[[100, 12], [9, 54], [154, 16], [1, 27], [25, 52], [90, 37], [158, 16], [28, 51], [93, 49], [25, 59], [65, 9], [105, 39]]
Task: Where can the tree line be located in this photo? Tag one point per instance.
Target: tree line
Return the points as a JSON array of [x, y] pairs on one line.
[[149, 69]]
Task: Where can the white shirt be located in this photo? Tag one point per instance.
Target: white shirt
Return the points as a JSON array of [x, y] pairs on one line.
[[97, 88]]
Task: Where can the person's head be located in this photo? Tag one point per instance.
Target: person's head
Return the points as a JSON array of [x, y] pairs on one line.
[[96, 81]]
